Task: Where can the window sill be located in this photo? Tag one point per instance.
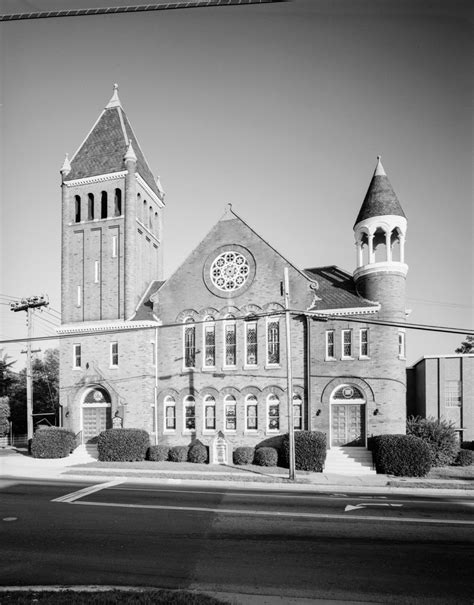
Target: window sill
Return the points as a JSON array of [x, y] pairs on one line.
[[251, 431], [76, 368], [113, 367], [272, 366], [347, 358], [229, 367], [169, 431], [208, 368], [250, 367], [330, 359], [209, 431], [364, 357]]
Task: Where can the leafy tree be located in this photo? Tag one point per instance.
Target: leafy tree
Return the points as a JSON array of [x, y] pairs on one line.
[[6, 374], [4, 416], [440, 435], [467, 345]]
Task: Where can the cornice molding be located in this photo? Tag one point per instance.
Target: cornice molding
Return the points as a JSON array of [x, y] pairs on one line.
[[95, 179], [149, 191], [94, 327], [349, 311]]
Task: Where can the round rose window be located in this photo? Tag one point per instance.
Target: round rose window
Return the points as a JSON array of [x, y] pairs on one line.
[[229, 271]]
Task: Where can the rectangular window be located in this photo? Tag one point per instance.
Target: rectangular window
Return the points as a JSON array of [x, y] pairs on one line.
[[401, 345], [114, 246], [77, 356], [189, 346], [251, 421], [364, 342], [273, 342], [251, 343], [273, 413], [346, 344], [79, 296], [114, 356], [330, 352], [189, 414], [297, 413], [230, 410], [96, 272], [170, 414], [453, 394], [230, 344], [209, 346]]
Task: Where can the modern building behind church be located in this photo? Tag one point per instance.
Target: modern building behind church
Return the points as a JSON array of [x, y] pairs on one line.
[[205, 350]]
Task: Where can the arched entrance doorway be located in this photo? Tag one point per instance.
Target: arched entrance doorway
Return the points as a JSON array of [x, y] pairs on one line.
[[96, 414], [348, 418]]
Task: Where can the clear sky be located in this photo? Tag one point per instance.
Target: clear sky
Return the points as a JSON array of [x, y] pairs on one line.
[[280, 109]]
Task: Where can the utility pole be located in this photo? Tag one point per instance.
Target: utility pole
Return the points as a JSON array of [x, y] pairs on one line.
[[289, 374], [28, 304]]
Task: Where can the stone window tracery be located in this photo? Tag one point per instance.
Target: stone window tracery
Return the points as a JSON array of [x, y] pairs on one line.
[[229, 271]]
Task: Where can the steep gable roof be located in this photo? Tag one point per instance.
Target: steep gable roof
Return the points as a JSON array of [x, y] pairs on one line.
[[103, 150], [380, 199]]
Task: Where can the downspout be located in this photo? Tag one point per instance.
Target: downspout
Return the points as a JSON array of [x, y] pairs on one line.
[[308, 372], [156, 386]]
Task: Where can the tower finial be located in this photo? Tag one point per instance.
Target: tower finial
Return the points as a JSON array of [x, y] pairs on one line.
[[114, 101], [379, 169], [66, 167], [130, 155]]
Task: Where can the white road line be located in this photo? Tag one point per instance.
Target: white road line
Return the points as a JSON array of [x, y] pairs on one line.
[[230, 511], [86, 491]]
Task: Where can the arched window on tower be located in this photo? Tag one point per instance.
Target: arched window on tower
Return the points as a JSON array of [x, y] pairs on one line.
[[144, 211], [77, 208], [90, 206], [139, 206], [380, 248], [103, 204], [156, 224], [118, 203], [395, 245], [365, 249], [150, 218]]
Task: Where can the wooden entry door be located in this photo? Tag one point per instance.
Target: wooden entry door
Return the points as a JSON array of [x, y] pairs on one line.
[[347, 424], [94, 421]]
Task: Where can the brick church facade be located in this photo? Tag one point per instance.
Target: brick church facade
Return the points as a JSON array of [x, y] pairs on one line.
[[205, 350]]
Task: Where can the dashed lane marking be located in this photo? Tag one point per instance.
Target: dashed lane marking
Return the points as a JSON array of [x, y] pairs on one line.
[[86, 491]]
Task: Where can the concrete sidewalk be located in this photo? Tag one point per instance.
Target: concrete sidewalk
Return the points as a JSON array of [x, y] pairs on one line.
[[18, 464]]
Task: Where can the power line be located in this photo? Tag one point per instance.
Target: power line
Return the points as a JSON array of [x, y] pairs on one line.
[[113, 10]]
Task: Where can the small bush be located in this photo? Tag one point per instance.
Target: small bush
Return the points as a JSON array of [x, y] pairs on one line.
[[52, 442], [178, 453], [440, 436], [464, 458], [4, 416], [158, 453], [123, 445], [197, 452], [266, 456], [467, 445], [402, 455], [243, 455], [310, 451]]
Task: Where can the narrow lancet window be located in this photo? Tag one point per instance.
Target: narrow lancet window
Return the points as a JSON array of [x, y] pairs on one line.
[[103, 204], [77, 209], [118, 202]]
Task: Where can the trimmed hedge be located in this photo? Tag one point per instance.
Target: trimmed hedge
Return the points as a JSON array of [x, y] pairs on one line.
[[158, 453], [243, 455], [123, 445], [464, 458], [440, 435], [198, 453], [401, 455], [52, 442], [4, 416], [310, 451], [178, 453], [467, 445], [266, 456]]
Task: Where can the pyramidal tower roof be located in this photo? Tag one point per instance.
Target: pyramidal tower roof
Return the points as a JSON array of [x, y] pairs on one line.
[[380, 199], [106, 145]]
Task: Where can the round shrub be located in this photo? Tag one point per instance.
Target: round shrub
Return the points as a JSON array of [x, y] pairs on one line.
[[464, 458], [266, 456], [52, 442], [123, 445], [440, 436], [158, 453], [467, 445], [243, 455], [178, 453], [402, 455], [310, 451], [197, 453]]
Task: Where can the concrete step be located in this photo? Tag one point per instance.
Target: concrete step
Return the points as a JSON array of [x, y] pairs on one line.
[[85, 453], [349, 461]]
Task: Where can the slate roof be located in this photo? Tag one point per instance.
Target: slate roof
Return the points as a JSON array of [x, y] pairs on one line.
[[380, 199], [336, 290], [105, 146]]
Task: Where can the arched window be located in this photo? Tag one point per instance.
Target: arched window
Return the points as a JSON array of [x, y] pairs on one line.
[[251, 343], [230, 342], [209, 413], [189, 343], [273, 342], [150, 218], [90, 206], [118, 202], [230, 413], [273, 413], [395, 244], [144, 211], [156, 223], [103, 204], [189, 413], [209, 329], [251, 416], [77, 208], [297, 412], [380, 248], [170, 413]]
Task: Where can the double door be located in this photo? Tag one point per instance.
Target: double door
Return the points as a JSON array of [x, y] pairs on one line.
[[94, 421], [347, 424]]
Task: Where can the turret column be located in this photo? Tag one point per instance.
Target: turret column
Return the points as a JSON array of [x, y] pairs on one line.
[[130, 303]]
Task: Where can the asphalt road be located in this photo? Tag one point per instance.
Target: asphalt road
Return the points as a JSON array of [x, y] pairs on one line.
[[363, 547]]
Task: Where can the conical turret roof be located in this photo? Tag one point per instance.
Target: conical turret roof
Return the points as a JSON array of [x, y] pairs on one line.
[[380, 199], [106, 145]]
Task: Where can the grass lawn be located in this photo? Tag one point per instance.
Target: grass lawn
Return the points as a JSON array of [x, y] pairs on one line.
[[106, 597], [452, 472]]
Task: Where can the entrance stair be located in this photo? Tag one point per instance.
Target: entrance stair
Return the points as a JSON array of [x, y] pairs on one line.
[[349, 461], [84, 453]]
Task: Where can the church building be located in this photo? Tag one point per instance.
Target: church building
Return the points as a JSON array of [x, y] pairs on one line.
[[205, 351]]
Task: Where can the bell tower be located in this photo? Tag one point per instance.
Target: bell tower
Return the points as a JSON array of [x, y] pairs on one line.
[[380, 232], [111, 222]]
